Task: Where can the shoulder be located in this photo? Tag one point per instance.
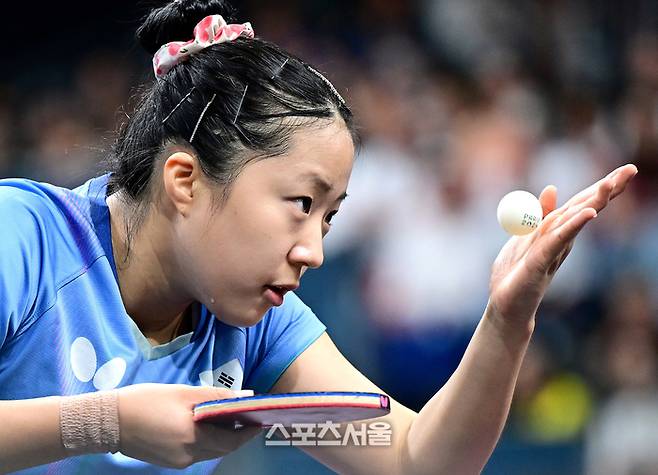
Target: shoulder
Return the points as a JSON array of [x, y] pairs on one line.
[[48, 240], [30, 217], [52, 219], [18, 194], [24, 217], [29, 205], [277, 340], [47, 237], [24, 213]]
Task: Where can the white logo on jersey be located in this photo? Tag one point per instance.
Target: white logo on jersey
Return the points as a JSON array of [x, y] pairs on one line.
[[84, 361], [228, 375]]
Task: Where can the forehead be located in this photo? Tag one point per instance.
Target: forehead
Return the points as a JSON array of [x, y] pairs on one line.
[[321, 155]]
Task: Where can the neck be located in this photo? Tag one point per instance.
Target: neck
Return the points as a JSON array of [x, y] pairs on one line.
[[182, 324], [152, 296]]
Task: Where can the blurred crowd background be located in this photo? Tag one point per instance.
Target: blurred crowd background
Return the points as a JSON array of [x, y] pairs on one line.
[[459, 102]]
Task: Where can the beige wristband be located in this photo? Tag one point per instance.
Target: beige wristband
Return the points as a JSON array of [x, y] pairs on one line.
[[89, 423]]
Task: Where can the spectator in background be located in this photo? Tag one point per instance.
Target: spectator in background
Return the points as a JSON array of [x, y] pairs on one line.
[[5, 152], [622, 439]]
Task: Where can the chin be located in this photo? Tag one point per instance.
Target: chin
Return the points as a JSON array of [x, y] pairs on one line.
[[246, 318]]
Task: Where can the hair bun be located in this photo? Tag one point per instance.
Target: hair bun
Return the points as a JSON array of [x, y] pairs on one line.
[[176, 20]]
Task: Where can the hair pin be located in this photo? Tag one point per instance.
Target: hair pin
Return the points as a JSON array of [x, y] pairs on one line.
[[328, 83], [179, 104], [278, 71], [240, 105], [203, 112]]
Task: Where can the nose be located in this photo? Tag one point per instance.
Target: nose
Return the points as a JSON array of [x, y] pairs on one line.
[[308, 252]]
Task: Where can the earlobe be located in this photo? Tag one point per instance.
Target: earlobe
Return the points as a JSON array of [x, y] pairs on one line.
[[180, 176]]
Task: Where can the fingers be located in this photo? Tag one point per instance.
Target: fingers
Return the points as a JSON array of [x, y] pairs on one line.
[[560, 238], [598, 201], [558, 218], [218, 442], [597, 192], [199, 394], [590, 190], [548, 199], [216, 438], [618, 177], [598, 195], [555, 236], [211, 444], [243, 393], [625, 176]]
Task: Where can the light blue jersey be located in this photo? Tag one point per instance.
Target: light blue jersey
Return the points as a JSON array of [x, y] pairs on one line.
[[64, 329]]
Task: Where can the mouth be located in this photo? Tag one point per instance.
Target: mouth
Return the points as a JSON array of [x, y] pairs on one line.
[[276, 293]]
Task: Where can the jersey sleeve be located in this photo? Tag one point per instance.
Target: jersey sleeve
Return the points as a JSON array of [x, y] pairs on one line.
[[274, 343], [20, 261]]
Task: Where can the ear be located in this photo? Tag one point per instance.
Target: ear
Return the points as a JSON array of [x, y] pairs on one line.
[[180, 176]]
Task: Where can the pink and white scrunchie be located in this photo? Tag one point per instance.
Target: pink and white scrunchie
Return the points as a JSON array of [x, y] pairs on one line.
[[211, 30]]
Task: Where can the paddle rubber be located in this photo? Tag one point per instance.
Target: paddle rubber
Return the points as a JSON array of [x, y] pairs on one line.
[[266, 410]]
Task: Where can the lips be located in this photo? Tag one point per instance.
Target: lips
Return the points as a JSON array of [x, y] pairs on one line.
[[275, 293]]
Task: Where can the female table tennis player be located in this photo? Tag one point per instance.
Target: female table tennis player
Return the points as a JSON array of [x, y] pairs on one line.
[[177, 269]]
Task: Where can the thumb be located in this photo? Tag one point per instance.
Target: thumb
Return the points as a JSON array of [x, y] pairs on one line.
[[210, 393], [548, 199]]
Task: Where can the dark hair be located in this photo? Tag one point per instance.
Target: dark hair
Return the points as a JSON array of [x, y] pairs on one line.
[[250, 94]]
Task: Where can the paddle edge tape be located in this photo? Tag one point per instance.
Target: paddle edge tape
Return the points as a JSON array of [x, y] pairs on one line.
[[226, 407], [237, 410], [291, 395]]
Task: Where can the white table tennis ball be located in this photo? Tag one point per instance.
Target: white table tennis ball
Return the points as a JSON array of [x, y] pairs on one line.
[[519, 212]]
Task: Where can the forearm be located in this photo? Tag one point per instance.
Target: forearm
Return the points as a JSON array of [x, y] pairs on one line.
[[30, 433], [457, 430]]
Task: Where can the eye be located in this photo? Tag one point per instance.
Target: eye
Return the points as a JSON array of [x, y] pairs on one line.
[[330, 216], [305, 203]]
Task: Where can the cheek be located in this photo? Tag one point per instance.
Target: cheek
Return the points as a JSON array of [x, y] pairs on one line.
[[241, 244], [262, 230]]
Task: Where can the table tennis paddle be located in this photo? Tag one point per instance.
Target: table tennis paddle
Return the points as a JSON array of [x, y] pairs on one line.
[[266, 410]]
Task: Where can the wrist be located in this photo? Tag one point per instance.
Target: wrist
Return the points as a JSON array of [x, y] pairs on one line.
[[522, 328], [89, 423]]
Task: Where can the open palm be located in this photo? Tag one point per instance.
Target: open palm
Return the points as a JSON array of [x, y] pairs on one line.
[[526, 264]]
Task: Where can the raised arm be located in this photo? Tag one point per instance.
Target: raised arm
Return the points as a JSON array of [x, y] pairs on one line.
[[457, 430]]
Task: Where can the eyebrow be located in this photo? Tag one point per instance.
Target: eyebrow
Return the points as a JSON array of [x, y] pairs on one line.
[[322, 185]]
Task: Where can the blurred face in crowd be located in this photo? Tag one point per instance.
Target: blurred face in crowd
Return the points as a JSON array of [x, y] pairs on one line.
[[239, 257]]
